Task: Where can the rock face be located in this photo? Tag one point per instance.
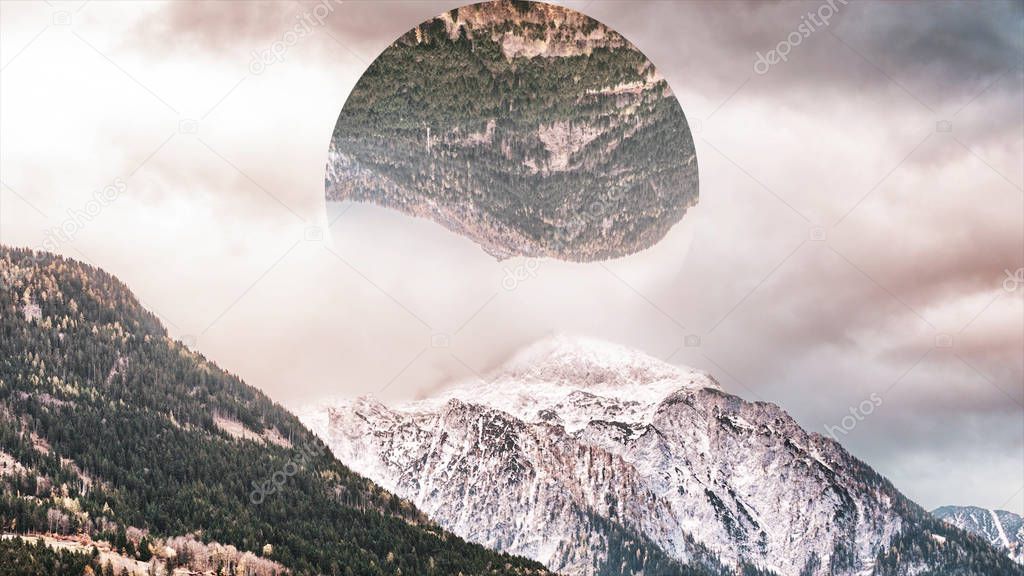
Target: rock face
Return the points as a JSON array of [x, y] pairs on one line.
[[529, 128], [574, 441], [1002, 529]]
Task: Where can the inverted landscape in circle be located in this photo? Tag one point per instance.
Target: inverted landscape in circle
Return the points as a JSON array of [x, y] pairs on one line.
[[529, 128]]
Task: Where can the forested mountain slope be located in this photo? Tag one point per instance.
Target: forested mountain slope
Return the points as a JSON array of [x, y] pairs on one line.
[[108, 424]]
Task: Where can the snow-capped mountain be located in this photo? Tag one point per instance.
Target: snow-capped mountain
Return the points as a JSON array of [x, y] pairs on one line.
[[1002, 529], [595, 459]]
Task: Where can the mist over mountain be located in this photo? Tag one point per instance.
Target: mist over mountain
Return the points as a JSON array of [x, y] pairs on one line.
[[576, 442], [529, 128], [111, 430]]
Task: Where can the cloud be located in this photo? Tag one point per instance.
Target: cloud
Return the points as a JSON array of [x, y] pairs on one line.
[[213, 26], [201, 236]]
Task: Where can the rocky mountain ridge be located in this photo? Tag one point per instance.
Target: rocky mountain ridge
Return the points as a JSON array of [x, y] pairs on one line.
[[1001, 528], [571, 430]]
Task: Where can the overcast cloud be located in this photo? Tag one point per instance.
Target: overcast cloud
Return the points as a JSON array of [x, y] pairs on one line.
[[861, 204]]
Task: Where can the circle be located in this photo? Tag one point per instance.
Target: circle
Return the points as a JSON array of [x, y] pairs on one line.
[[531, 129]]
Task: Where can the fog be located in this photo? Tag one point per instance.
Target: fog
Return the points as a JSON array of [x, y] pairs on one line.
[[860, 223]]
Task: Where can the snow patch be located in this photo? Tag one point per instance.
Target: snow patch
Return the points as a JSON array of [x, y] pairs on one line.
[[237, 430], [31, 311]]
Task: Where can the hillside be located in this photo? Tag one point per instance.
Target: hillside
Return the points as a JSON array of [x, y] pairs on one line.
[[1000, 528], [20, 557], [108, 427]]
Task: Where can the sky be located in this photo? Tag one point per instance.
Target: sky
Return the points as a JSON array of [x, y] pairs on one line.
[[857, 256]]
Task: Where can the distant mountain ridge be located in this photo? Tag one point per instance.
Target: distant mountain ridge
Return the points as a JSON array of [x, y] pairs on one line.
[[575, 440], [1000, 528], [110, 428]]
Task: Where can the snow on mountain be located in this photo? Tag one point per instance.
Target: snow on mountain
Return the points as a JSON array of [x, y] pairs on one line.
[[1002, 529], [572, 382], [573, 438]]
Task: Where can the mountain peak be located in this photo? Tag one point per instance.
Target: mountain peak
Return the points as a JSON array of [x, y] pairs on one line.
[[1000, 528], [577, 378], [595, 459], [589, 362]]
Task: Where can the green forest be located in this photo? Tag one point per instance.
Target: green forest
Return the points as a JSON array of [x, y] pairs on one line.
[[112, 425], [454, 127], [19, 558]]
